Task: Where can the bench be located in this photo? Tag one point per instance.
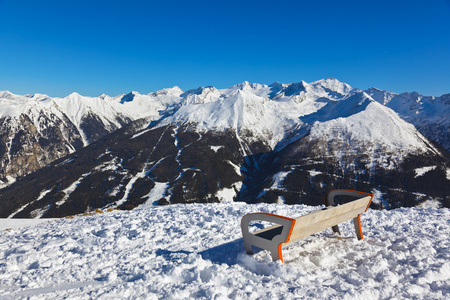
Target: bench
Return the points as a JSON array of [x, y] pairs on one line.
[[287, 230]]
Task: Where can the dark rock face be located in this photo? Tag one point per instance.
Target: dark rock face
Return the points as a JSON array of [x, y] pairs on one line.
[[437, 132], [309, 174], [24, 149], [94, 128], [123, 169], [26, 146]]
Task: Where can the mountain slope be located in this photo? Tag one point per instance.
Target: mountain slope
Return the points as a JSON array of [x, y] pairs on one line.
[[36, 129], [254, 143], [430, 115]]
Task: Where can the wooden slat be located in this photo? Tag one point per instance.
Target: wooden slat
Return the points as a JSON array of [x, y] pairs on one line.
[[328, 217], [270, 228]]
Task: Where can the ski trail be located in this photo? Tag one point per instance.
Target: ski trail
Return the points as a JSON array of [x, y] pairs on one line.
[[177, 145], [239, 110], [143, 173]]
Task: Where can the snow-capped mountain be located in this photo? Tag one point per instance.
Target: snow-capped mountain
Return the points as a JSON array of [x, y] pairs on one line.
[[430, 115], [36, 129], [251, 142]]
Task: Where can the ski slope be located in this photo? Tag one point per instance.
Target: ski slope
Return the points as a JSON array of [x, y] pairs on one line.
[[196, 252]]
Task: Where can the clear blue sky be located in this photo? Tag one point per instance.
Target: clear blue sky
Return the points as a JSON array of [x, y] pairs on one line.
[[114, 47]]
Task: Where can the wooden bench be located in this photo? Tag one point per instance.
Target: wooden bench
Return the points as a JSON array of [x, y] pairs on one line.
[[287, 230]]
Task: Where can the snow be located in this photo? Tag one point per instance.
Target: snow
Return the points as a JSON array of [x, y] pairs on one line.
[[41, 196], [38, 213], [378, 198], [236, 168], [423, 170], [69, 160], [67, 191], [141, 133], [430, 203], [8, 224], [383, 97], [313, 173], [229, 194], [242, 108], [277, 181], [370, 126], [278, 113], [429, 114], [156, 193], [196, 251], [216, 148], [9, 180]]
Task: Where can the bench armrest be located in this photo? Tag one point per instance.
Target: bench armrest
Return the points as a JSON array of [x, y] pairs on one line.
[[272, 242]]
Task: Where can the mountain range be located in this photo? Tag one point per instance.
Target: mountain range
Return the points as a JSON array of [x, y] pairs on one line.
[[286, 143]]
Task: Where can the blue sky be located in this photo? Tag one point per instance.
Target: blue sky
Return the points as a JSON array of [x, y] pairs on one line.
[[114, 47]]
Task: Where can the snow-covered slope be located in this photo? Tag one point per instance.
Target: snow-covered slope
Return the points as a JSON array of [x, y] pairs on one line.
[[196, 252], [360, 124], [430, 115]]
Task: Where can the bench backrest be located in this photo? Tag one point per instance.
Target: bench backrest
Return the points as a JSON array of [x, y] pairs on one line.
[[332, 215]]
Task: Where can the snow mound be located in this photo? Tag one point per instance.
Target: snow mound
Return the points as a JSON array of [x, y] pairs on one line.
[[196, 251]]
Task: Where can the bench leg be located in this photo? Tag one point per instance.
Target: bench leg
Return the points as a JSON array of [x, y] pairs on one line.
[[357, 223], [275, 250], [248, 247], [336, 229]]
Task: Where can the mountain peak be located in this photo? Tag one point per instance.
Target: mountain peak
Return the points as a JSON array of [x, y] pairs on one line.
[[174, 89], [247, 86], [6, 94], [200, 95], [40, 97], [244, 84], [374, 89], [129, 97], [277, 84], [295, 88], [74, 95], [333, 85], [383, 97], [167, 91]]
